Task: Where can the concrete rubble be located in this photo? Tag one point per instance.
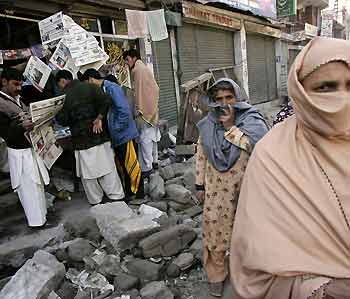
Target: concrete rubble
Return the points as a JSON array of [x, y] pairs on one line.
[[149, 249]]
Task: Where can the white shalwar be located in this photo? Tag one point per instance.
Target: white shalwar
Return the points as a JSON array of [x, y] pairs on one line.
[[28, 176], [148, 147], [97, 170]]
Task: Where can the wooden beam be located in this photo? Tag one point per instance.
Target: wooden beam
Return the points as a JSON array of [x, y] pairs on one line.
[[266, 30]]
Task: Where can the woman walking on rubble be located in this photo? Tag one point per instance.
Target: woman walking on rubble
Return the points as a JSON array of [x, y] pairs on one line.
[[291, 237], [227, 136]]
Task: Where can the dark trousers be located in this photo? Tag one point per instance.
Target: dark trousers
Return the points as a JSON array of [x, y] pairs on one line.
[[120, 151]]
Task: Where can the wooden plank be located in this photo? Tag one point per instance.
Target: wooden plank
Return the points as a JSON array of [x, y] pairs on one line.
[[265, 30]]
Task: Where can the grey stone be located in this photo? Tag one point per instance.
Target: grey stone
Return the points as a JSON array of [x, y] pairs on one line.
[[82, 227], [167, 222], [134, 294], [156, 290], [156, 187], [125, 282], [190, 223], [193, 211], [110, 266], [168, 242], [173, 271], [197, 249], [53, 295], [121, 227], [178, 207], [79, 249], [184, 261], [16, 252], [67, 290], [176, 181], [179, 168], [190, 179], [36, 279], [167, 172], [4, 281], [143, 269], [160, 205], [179, 194]]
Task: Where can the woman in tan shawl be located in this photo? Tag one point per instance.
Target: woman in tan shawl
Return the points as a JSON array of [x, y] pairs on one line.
[[291, 237]]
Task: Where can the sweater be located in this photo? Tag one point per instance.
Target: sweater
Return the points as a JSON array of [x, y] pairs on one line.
[[84, 102]]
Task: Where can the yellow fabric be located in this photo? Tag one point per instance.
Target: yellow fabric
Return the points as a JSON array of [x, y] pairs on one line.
[[132, 166]]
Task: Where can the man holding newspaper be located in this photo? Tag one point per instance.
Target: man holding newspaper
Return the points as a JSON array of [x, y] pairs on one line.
[[27, 169]]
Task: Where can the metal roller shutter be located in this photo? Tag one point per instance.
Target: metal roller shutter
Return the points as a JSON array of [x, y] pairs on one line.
[[163, 71], [261, 69], [202, 48]]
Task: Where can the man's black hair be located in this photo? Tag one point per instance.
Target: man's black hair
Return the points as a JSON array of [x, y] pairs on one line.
[[63, 74], [112, 78], [11, 74], [90, 73], [132, 53]]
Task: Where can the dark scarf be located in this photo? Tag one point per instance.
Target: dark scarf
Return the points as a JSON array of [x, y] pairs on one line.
[[221, 153]]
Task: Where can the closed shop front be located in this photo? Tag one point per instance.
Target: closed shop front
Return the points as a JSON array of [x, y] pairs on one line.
[[202, 48], [163, 71], [261, 68]]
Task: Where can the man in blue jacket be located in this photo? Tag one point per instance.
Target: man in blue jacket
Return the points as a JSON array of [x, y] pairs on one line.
[[123, 131]]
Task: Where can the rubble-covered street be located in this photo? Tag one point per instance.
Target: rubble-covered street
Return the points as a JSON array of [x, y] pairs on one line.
[[150, 248]]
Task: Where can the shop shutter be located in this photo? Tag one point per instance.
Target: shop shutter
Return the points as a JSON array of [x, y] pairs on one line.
[[202, 48], [163, 71], [270, 52], [261, 68]]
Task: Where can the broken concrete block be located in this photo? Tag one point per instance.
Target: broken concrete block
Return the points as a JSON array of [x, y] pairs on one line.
[[179, 169], [176, 181], [168, 242], [153, 213], [79, 249], [83, 226], [145, 270], [125, 282], [110, 266], [37, 278], [121, 227], [160, 205], [189, 179], [167, 172], [179, 194], [156, 187], [184, 261], [156, 290]]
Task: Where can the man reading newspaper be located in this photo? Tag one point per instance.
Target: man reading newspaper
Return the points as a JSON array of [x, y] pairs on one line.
[[84, 111], [27, 170]]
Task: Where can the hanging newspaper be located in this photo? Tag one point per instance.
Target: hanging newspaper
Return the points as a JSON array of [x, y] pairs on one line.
[[61, 59], [45, 110], [37, 72], [51, 29], [82, 45], [43, 137]]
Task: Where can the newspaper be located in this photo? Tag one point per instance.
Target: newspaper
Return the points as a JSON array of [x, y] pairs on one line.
[[83, 46], [44, 143], [51, 29], [37, 72], [43, 137], [45, 110], [62, 59]]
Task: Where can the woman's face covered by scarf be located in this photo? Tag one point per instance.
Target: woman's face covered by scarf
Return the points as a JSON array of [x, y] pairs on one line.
[[319, 85], [329, 85]]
